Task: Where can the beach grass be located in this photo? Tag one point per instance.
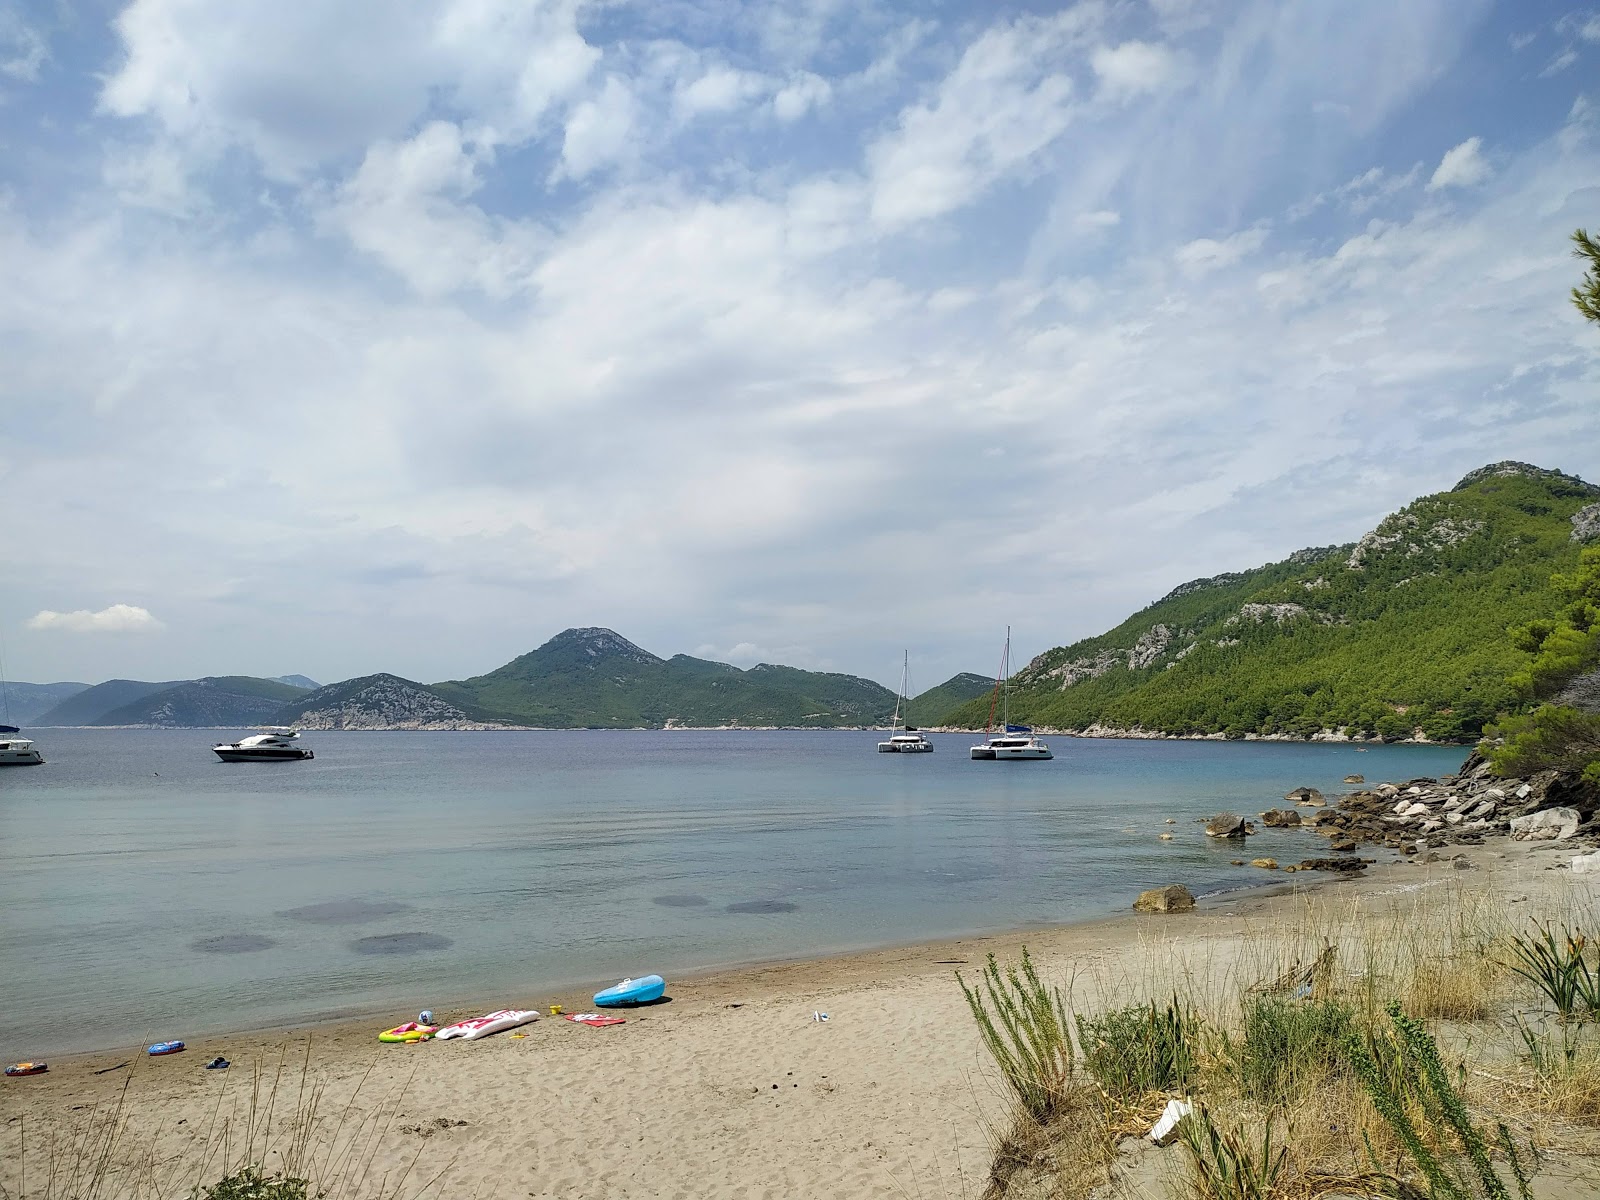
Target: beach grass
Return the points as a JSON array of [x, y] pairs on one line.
[[1434, 1048]]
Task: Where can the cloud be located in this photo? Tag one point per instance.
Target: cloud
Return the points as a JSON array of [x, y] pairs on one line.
[[800, 95], [1210, 254], [1004, 102], [1133, 68], [118, 618], [598, 131], [23, 49], [720, 89], [1461, 166], [1103, 218]]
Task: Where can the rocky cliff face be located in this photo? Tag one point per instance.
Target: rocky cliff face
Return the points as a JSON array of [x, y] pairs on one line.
[[378, 702]]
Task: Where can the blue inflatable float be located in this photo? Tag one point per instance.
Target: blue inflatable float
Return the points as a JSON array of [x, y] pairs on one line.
[[632, 991], [165, 1048]]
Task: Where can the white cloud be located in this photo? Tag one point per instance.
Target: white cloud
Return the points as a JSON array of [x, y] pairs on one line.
[[1133, 68], [800, 95], [118, 618], [599, 130], [1104, 218], [23, 49], [1461, 166], [720, 89], [1210, 254], [1003, 104]]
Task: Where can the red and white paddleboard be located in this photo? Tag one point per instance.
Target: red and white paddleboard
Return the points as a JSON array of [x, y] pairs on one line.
[[477, 1027], [597, 1020]]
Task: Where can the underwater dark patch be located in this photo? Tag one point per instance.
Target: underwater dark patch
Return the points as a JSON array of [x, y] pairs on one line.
[[345, 912], [763, 906], [400, 943], [232, 943], [680, 901]]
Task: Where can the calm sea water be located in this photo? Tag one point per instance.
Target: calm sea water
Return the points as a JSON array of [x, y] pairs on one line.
[[149, 891]]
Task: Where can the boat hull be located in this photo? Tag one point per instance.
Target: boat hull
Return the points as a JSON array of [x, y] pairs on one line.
[[632, 991], [228, 754], [982, 752], [905, 747], [20, 758]]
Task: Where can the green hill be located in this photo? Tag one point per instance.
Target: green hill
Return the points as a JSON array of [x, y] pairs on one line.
[[594, 678], [20, 703], [91, 704], [212, 701], [927, 707], [1400, 631], [375, 702]]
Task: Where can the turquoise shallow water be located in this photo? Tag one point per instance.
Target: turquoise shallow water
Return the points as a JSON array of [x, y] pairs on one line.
[[149, 891]]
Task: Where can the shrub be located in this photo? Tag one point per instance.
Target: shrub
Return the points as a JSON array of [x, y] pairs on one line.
[[1223, 1165], [1405, 1080], [1559, 970], [249, 1183], [1024, 1025], [1133, 1051], [1289, 1045]]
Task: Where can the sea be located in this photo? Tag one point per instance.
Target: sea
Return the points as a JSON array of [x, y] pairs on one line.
[[150, 891]]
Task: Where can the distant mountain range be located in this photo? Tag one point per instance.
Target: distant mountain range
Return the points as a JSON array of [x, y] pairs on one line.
[[581, 678]]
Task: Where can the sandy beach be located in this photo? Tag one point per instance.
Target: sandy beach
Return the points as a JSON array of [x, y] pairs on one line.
[[732, 1088]]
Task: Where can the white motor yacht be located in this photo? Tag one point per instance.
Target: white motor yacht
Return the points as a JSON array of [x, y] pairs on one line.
[[275, 745], [15, 750], [911, 741], [1016, 741]]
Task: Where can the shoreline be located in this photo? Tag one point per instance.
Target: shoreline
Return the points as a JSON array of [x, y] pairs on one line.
[[734, 1088], [354, 1022]]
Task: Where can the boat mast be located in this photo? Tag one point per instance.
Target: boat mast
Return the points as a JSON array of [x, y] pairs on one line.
[[894, 726], [1005, 691]]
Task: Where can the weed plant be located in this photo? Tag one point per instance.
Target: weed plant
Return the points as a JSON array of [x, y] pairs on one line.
[[1224, 1164], [1133, 1051], [1288, 1046], [1024, 1025], [1560, 970]]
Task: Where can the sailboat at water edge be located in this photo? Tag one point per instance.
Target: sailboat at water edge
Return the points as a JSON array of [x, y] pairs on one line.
[[1014, 741], [911, 741]]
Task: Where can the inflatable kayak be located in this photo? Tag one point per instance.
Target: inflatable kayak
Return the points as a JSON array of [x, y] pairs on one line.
[[594, 1020], [411, 1031], [165, 1048], [28, 1068], [632, 991], [477, 1027]]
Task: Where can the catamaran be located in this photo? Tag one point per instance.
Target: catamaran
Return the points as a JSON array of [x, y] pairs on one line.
[[1015, 741], [911, 741]]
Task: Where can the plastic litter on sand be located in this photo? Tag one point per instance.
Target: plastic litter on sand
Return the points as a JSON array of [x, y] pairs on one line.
[[819, 1016]]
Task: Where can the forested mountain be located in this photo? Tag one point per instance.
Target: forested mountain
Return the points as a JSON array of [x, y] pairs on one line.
[[375, 702], [212, 701], [1404, 630], [594, 678], [932, 704], [89, 705], [20, 703]]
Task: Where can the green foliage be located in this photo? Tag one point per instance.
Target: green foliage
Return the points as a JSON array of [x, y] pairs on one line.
[[1223, 1165], [927, 707], [1560, 970], [1586, 296], [1024, 1025], [1567, 646], [1406, 631], [249, 1183], [1133, 1051], [1289, 1045], [1550, 737], [1412, 1091]]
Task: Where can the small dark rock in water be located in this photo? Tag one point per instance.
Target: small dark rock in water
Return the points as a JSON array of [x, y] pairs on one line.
[[1355, 778], [400, 943], [1280, 818], [232, 943], [1226, 825], [679, 901], [1332, 864], [345, 912], [763, 906]]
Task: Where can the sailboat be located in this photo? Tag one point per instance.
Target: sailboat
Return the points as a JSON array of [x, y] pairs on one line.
[[1014, 741], [911, 741], [15, 750]]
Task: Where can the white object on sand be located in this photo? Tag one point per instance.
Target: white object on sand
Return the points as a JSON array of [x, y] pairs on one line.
[[1165, 1131], [477, 1027], [1586, 863]]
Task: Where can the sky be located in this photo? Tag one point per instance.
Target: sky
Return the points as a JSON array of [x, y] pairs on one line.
[[399, 335]]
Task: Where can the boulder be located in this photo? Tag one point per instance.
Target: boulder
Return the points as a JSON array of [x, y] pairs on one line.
[[1548, 824], [1266, 864], [1586, 864], [1355, 778], [1174, 898], [1333, 864], [1306, 795], [1280, 818], [1416, 810], [1226, 825]]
